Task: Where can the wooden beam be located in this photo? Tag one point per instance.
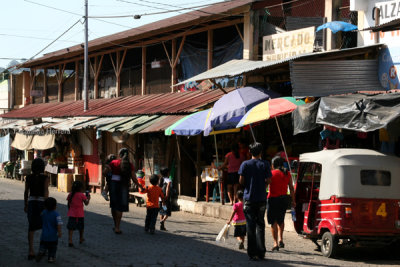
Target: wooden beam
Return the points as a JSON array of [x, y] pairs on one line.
[[218, 86], [239, 32], [60, 81], [32, 74], [179, 51], [166, 52], [45, 85], [210, 47], [138, 43], [96, 73], [76, 80], [118, 68], [144, 72], [173, 58]]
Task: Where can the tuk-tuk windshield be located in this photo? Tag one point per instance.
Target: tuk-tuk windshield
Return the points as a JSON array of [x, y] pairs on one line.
[[309, 172]]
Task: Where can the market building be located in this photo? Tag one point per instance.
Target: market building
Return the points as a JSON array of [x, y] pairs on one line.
[[145, 79]]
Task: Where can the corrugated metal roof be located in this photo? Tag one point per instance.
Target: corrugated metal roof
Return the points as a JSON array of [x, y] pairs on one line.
[[162, 123], [97, 122], [130, 125], [190, 19], [389, 26], [68, 124], [15, 124], [111, 127], [136, 125], [237, 67], [167, 103]]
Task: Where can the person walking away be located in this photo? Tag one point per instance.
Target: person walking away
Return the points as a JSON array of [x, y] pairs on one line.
[[36, 191], [51, 231], [254, 176], [239, 220], [122, 174], [75, 214], [154, 192], [277, 200], [166, 186], [233, 160], [107, 173]]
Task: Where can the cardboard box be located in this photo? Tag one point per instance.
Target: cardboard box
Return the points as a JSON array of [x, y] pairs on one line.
[[64, 182]]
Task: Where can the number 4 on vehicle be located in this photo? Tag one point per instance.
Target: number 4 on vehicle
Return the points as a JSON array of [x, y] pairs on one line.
[[382, 210]]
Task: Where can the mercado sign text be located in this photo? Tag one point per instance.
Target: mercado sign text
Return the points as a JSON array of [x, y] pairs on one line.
[[288, 44]]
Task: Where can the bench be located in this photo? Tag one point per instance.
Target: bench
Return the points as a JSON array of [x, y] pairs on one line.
[[139, 198]]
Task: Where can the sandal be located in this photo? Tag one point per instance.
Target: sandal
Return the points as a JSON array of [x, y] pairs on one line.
[[275, 248], [281, 244]]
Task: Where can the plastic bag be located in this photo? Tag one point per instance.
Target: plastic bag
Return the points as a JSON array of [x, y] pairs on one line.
[[223, 234]]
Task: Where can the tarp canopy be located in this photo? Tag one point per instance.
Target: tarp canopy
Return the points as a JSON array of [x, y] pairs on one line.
[[22, 142], [356, 112], [42, 142], [26, 142]]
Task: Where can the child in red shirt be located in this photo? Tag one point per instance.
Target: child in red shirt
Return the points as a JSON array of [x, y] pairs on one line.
[[154, 192], [75, 211]]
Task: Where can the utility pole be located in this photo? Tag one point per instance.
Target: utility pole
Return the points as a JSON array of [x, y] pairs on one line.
[[85, 64]]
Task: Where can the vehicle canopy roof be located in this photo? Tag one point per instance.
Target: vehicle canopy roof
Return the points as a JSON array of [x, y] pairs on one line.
[[341, 173]]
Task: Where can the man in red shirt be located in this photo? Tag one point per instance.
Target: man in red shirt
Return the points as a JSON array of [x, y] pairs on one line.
[[277, 200]]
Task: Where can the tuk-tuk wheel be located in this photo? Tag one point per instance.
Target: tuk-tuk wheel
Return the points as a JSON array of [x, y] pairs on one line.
[[329, 244]]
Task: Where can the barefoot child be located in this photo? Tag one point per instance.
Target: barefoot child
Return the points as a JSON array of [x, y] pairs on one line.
[[75, 211], [238, 219], [51, 230], [154, 192], [107, 175]]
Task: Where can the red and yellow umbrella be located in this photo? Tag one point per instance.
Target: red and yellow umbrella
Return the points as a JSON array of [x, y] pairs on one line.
[[269, 109]]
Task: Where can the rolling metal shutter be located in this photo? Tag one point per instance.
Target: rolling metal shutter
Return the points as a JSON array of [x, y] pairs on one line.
[[323, 78]]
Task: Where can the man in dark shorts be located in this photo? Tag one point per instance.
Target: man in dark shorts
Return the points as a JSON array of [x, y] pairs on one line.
[[254, 176]]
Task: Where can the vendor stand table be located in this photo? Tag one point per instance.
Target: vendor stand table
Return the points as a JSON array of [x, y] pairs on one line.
[[210, 175]]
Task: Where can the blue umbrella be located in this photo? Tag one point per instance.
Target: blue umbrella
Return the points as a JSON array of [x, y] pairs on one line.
[[233, 106], [195, 123], [337, 26]]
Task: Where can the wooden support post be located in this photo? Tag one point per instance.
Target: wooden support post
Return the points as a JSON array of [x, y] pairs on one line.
[[45, 85], [96, 73], [173, 72], [377, 19], [210, 42], [96, 79], [76, 80], [118, 68], [60, 81], [173, 60], [248, 29], [198, 169], [32, 74], [144, 73]]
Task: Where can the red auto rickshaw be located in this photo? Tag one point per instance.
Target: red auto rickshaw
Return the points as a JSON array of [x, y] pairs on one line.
[[348, 197]]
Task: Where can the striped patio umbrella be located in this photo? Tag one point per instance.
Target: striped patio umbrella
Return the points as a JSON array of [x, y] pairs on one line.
[[270, 109]]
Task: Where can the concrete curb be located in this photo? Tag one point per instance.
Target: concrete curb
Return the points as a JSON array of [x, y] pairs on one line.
[[223, 212]]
